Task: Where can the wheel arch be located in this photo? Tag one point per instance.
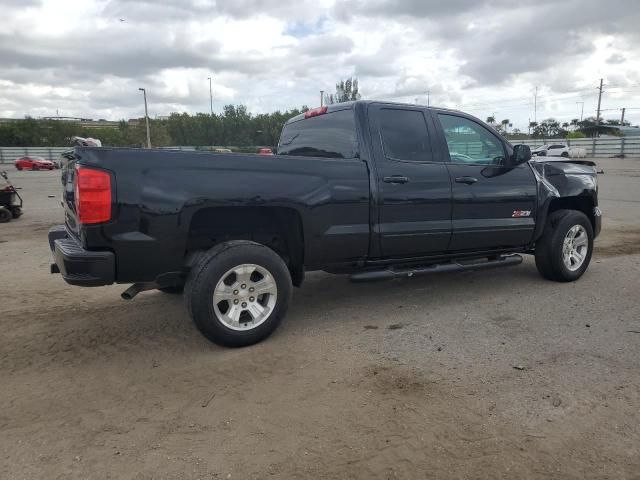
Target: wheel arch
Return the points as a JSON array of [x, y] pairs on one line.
[[581, 203], [279, 228]]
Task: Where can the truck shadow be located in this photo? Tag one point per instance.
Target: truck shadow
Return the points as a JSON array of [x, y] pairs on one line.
[[155, 325], [323, 296]]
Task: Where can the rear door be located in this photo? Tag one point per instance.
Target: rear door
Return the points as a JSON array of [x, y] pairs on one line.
[[414, 190], [493, 203]]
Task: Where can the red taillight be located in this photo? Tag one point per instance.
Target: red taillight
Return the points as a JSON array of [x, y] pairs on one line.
[[314, 112], [92, 195]]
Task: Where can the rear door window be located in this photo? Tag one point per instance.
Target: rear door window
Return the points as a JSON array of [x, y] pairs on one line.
[[331, 135], [404, 135]]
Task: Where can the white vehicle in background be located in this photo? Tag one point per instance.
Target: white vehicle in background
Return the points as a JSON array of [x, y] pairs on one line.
[[559, 150]]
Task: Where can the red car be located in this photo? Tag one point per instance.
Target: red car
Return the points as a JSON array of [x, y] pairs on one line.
[[265, 151], [34, 163]]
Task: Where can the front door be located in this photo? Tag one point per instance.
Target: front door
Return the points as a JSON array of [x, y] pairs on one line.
[[493, 203], [414, 191]]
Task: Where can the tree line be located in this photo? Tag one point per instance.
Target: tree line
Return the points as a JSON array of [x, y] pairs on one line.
[[552, 128], [235, 126]]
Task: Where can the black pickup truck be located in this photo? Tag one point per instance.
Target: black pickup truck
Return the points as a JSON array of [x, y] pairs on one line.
[[370, 189]]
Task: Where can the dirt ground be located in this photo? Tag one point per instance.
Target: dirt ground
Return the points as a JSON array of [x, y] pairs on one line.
[[486, 375]]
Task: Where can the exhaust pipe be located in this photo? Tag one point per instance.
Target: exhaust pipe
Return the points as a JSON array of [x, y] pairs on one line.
[[136, 288]]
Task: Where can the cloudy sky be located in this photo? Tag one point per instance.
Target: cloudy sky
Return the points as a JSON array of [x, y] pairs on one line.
[[88, 57]]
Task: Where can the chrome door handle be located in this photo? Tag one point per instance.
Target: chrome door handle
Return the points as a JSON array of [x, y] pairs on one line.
[[467, 180], [395, 179]]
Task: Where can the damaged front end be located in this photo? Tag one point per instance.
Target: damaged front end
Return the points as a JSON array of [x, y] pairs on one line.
[[567, 184]]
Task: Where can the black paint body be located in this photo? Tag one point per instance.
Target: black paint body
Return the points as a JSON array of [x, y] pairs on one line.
[[353, 215]]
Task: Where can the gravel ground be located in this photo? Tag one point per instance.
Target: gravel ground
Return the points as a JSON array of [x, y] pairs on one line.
[[487, 375]]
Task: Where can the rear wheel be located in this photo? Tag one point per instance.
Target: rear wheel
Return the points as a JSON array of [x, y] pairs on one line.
[[238, 293], [18, 168], [565, 154], [35, 167], [16, 212], [5, 215], [564, 251]]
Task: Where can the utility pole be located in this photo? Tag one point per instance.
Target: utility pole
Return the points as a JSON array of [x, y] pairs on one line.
[[322, 98], [146, 116], [428, 98], [535, 106], [622, 118], [416, 100], [582, 110], [210, 96], [599, 102]]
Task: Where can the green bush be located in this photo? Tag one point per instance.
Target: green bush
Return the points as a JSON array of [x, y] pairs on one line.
[[576, 135]]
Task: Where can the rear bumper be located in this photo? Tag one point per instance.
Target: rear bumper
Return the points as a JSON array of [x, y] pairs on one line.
[[79, 266]]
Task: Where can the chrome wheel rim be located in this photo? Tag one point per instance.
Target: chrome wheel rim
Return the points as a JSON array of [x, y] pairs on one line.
[[245, 297], [575, 247]]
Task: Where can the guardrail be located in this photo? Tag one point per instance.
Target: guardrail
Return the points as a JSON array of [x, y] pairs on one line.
[[9, 154], [595, 147]]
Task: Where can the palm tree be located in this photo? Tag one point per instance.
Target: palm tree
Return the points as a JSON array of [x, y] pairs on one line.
[[491, 120], [574, 123], [565, 125], [505, 124]]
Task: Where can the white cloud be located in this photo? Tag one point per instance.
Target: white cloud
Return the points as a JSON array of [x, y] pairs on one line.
[[88, 57]]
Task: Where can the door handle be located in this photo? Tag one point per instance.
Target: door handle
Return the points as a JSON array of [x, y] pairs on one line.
[[395, 179], [467, 180]]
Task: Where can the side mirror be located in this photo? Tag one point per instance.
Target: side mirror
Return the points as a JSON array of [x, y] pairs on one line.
[[521, 154]]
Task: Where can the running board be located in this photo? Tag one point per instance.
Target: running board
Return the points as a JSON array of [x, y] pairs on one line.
[[456, 266]]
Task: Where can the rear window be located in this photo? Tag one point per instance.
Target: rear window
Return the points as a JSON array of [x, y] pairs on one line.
[[331, 135]]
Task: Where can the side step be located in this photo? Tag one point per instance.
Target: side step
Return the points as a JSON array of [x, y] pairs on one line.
[[456, 266]]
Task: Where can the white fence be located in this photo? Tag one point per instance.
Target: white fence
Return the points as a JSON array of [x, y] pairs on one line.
[[596, 147], [9, 154]]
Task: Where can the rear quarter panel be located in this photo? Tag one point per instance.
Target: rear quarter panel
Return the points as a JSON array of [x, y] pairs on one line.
[[158, 193]]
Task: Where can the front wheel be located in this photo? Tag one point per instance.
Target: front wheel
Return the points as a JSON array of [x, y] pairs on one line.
[[238, 293], [564, 251]]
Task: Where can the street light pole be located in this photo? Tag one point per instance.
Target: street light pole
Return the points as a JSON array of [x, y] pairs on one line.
[[146, 116], [322, 98], [210, 96]]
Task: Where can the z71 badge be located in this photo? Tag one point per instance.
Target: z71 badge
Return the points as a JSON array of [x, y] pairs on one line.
[[521, 213]]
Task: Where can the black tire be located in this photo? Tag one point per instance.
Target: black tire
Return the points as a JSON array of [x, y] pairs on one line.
[[565, 154], [16, 212], [18, 168], [34, 168], [211, 268], [549, 248], [173, 290], [5, 215]]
